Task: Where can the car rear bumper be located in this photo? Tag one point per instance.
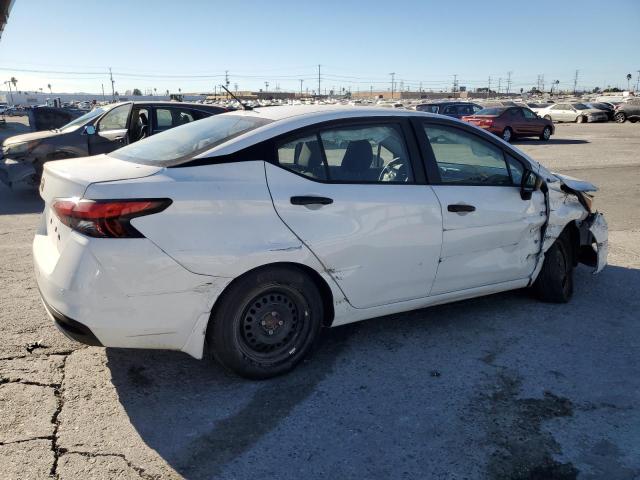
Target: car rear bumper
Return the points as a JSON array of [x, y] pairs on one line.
[[71, 328], [122, 292]]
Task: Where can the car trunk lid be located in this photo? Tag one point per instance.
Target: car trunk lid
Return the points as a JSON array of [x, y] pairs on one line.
[[70, 178]]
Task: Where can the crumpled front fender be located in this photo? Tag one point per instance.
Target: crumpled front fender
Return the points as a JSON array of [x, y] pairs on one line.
[[600, 231]]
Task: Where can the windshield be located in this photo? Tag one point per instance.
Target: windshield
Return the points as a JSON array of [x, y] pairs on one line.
[[490, 111], [580, 106], [83, 119], [181, 144]]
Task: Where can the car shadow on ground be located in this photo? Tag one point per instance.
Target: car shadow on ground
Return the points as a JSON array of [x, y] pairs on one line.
[[19, 200], [201, 420], [551, 141]]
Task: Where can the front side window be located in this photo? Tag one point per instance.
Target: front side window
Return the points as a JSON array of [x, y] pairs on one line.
[[464, 158], [115, 119], [358, 154]]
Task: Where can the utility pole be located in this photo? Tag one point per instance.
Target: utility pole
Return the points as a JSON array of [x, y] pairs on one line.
[[575, 82], [319, 80], [370, 91], [455, 82], [226, 81], [489, 87], [102, 85], [638, 81], [499, 85], [301, 80], [509, 82], [266, 86], [393, 81], [113, 90]]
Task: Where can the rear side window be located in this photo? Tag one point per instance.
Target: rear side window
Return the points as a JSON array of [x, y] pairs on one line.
[[358, 154], [528, 113], [464, 158], [172, 117]]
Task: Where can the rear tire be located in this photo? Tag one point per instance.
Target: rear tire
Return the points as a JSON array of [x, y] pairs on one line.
[[620, 117], [265, 323], [555, 281], [580, 119], [507, 135], [546, 134]]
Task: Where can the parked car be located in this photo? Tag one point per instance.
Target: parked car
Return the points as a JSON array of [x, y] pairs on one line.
[[238, 237], [511, 122], [573, 112], [605, 107], [102, 130], [629, 110], [450, 109], [537, 107]]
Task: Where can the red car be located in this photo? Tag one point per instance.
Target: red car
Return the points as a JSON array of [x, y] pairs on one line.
[[511, 122]]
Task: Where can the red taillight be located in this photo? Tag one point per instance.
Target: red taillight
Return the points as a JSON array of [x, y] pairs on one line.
[[487, 122], [106, 218]]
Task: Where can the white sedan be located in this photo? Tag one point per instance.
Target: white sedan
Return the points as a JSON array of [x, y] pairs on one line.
[[238, 237]]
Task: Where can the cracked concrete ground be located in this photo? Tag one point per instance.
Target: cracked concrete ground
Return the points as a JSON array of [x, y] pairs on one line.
[[501, 387]]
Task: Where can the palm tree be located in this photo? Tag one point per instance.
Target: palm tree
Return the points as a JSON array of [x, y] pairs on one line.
[[49, 87], [14, 80], [155, 91], [629, 77]]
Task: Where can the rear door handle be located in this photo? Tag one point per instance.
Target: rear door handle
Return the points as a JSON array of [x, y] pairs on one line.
[[310, 200], [461, 208]]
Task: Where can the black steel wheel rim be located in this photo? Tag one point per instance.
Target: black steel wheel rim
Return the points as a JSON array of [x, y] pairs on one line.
[[273, 325]]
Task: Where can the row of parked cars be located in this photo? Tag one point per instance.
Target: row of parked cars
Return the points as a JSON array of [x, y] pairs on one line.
[[511, 120]]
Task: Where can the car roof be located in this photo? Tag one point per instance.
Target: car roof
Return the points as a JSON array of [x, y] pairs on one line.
[[166, 104], [284, 119]]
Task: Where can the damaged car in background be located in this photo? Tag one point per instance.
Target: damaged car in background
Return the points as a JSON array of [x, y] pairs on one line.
[[102, 130], [239, 237]]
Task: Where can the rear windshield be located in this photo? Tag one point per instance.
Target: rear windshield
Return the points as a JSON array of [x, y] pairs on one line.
[[490, 111], [181, 144]]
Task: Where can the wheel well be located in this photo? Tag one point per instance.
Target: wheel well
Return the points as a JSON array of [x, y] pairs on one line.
[[321, 284], [572, 235]]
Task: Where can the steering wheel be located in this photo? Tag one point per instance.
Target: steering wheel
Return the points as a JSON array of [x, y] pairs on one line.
[[393, 171]]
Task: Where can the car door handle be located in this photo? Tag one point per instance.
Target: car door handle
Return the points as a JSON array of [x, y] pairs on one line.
[[461, 208], [310, 200]]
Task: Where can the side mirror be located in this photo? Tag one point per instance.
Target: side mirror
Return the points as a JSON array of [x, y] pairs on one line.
[[528, 185], [89, 130]]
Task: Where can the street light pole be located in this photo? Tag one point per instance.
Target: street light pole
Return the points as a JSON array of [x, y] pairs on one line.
[[393, 77]]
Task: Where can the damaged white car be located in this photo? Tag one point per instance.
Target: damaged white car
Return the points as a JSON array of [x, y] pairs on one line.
[[240, 236]]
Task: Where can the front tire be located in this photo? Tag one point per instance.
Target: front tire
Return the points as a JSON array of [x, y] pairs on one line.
[[547, 117], [620, 117], [265, 323], [581, 119], [555, 281], [546, 134]]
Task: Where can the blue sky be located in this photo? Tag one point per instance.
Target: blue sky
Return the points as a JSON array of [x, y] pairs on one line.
[[171, 45]]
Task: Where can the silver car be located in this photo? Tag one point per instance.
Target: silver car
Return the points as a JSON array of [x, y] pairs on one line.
[[573, 112]]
